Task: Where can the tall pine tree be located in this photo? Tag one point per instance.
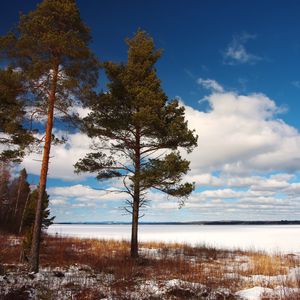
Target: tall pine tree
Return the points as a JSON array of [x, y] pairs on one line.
[[50, 49], [134, 122]]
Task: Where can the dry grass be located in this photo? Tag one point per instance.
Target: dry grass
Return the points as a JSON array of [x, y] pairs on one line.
[[268, 265], [9, 248], [213, 268]]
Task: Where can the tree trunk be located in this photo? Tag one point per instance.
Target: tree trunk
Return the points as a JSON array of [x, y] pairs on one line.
[[23, 214], [4, 194], [134, 252], [36, 237], [21, 180]]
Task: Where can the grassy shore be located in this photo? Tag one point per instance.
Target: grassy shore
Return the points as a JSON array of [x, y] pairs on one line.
[[102, 269]]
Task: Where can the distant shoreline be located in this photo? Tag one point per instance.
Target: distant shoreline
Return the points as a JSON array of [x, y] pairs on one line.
[[282, 222]]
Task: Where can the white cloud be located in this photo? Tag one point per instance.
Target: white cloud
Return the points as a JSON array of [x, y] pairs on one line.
[[62, 157], [270, 183], [210, 84], [242, 134], [58, 202], [236, 52], [239, 134], [81, 111], [83, 193], [253, 197]]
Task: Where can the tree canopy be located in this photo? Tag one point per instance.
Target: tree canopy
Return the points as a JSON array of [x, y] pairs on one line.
[[52, 37]]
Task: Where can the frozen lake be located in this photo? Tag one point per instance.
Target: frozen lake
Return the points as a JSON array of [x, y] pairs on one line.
[[271, 238]]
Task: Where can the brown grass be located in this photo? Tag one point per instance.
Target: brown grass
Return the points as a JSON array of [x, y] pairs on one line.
[[9, 248], [268, 265], [206, 265]]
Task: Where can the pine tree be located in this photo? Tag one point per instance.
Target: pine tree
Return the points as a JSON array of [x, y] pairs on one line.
[[20, 190], [13, 198], [14, 138], [50, 49], [134, 122]]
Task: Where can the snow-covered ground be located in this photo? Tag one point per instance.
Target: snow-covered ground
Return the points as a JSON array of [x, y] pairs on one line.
[[271, 238], [88, 269], [62, 283]]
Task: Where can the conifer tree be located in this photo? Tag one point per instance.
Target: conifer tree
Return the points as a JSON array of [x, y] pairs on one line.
[[30, 210], [20, 190], [50, 49], [134, 123], [14, 137]]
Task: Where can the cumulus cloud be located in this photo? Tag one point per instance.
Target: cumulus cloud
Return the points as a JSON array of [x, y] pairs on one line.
[[272, 183], [236, 52], [57, 202], [62, 157], [251, 198], [239, 134], [254, 197], [250, 203], [83, 193], [242, 134]]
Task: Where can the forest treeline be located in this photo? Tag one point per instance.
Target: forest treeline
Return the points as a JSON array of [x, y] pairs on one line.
[[18, 202]]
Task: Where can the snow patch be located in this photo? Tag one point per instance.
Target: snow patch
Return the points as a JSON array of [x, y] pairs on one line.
[[254, 293]]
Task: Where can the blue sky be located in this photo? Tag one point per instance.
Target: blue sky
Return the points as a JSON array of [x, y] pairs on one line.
[[235, 65]]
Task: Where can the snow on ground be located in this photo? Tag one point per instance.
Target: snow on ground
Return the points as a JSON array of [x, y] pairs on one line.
[[228, 274], [258, 293], [68, 283], [254, 293], [271, 238], [293, 275]]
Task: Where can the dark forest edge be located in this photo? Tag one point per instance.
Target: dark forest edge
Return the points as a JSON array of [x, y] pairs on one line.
[[282, 222]]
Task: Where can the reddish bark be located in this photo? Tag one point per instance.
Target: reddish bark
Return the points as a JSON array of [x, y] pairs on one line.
[[36, 237]]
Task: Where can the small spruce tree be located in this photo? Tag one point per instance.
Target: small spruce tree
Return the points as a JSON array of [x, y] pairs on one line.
[[29, 218]]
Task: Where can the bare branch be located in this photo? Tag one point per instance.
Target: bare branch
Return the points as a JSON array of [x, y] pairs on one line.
[[66, 113], [38, 110], [126, 187], [129, 203], [127, 210]]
